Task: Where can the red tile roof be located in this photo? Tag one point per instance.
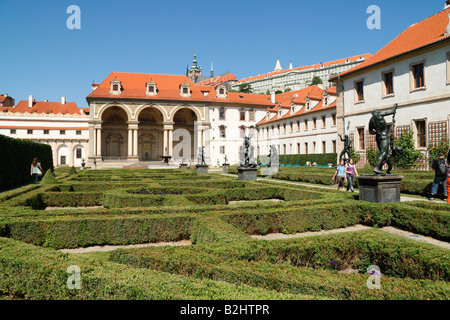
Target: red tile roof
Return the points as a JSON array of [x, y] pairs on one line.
[[315, 66], [46, 107], [168, 86], [417, 36], [217, 79], [285, 100]]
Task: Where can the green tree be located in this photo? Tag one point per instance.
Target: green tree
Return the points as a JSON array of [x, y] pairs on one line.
[[355, 156], [278, 92], [316, 80], [408, 157], [268, 92], [245, 88], [372, 155], [441, 146], [287, 90]]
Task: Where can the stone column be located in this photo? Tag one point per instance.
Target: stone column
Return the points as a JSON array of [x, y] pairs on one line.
[[71, 162], [130, 142], [135, 143], [168, 138], [55, 153], [98, 149]]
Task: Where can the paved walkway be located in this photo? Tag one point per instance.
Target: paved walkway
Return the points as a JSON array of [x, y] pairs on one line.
[[403, 197], [131, 246]]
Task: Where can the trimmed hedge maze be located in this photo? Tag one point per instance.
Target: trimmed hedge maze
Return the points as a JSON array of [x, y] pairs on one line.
[[219, 215]]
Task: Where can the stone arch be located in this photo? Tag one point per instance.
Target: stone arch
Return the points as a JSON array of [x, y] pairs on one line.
[[105, 107], [63, 155], [157, 107], [194, 109]]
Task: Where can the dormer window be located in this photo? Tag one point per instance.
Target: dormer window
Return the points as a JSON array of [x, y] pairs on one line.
[[221, 91], [116, 87], [185, 90], [151, 89]]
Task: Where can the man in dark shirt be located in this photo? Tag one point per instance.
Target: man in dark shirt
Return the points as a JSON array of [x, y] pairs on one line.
[[440, 169]]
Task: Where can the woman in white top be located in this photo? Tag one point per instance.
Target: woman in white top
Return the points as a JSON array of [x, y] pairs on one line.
[[35, 168]]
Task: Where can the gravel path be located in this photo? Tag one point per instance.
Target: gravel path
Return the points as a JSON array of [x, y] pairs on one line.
[[279, 236], [131, 246], [416, 237]]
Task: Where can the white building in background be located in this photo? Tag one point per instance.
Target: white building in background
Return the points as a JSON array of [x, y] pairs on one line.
[[303, 122], [413, 71], [299, 78], [62, 125]]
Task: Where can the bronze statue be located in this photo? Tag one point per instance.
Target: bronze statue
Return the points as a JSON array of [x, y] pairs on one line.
[[385, 140], [347, 148], [246, 152]]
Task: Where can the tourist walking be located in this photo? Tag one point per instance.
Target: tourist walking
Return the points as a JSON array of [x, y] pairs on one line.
[[440, 176], [36, 170], [341, 175], [351, 173]]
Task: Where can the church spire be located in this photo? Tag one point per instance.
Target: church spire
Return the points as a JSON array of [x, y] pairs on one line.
[[278, 66], [212, 70]]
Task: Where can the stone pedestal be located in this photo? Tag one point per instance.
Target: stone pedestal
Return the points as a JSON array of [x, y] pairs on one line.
[[247, 174], [379, 188], [184, 166], [225, 168], [201, 168]]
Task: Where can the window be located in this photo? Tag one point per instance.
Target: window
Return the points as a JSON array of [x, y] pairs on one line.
[[151, 89], [222, 132], [221, 91], [284, 149], [78, 133], [79, 152], [242, 132], [314, 147], [242, 115], [29, 131], [46, 131], [185, 90], [361, 138], [388, 81], [418, 76], [334, 146], [359, 91], [115, 87], [421, 133], [324, 146], [62, 131], [333, 117], [298, 148], [222, 114], [222, 149], [251, 115], [324, 122], [306, 148], [284, 128], [12, 131], [298, 125], [314, 123], [63, 159], [306, 125]]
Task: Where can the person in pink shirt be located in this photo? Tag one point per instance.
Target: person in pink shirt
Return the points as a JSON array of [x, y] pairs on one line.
[[351, 173]]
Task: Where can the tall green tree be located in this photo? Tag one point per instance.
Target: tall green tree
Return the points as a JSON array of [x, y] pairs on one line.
[[316, 80], [408, 157], [245, 88], [442, 146]]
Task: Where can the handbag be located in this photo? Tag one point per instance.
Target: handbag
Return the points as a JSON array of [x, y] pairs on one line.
[[39, 172]]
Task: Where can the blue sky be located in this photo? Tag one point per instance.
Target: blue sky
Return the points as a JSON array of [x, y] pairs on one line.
[[39, 55]]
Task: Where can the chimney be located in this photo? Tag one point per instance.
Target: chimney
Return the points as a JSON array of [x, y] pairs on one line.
[[30, 101], [272, 97], [45, 100], [63, 100]]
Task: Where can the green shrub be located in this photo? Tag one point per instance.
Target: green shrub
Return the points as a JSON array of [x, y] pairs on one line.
[[49, 178], [17, 155]]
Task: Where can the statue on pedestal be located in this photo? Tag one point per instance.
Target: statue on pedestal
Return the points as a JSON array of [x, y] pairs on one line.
[[201, 156], [385, 139], [246, 154]]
